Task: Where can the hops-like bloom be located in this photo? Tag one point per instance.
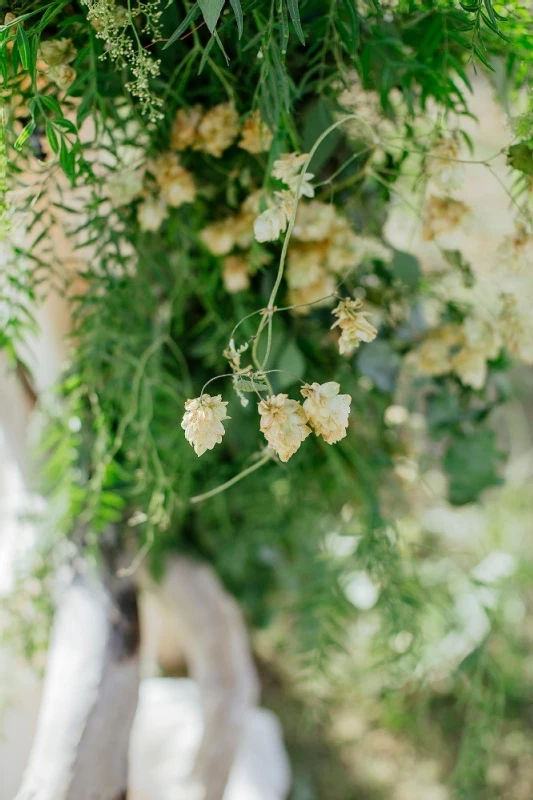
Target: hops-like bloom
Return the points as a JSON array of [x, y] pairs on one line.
[[185, 127], [124, 186], [327, 410], [151, 213], [63, 76], [202, 422], [315, 295], [176, 183], [270, 224], [217, 130], [442, 214], [284, 424], [255, 137], [287, 169], [442, 163], [218, 237], [235, 274], [57, 51], [355, 328]]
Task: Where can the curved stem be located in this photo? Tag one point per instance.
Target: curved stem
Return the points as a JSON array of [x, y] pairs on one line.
[[236, 478]]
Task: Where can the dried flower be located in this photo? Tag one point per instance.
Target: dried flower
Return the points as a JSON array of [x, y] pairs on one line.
[[287, 169], [185, 127], [327, 410], [176, 183], [355, 328], [433, 357], [255, 136], [442, 163], [217, 130], [218, 237], [319, 293], [235, 274], [284, 424], [57, 51], [314, 221], [270, 224], [516, 251], [151, 213], [442, 214], [124, 186], [63, 76], [202, 422], [304, 263]]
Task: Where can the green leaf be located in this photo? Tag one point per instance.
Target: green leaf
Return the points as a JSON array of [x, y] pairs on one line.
[[292, 360], [24, 47], [406, 268], [211, 11], [191, 16], [294, 11], [471, 462], [24, 135], [51, 135], [379, 362], [67, 125], [237, 10], [520, 157]]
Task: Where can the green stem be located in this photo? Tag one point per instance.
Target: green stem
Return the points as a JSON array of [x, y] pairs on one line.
[[199, 498]]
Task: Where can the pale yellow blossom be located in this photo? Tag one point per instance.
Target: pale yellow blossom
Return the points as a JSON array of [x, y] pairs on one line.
[[271, 223], [288, 170], [304, 263], [315, 295], [175, 182], [151, 213], [442, 165], [255, 136], [124, 185], [314, 221], [218, 237], [442, 214], [63, 76], [433, 357], [185, 127], [284, 424], [516, 251], [217, 130], [327, 410], [57, 51], [354, 326], [202, 422], [235, 274]]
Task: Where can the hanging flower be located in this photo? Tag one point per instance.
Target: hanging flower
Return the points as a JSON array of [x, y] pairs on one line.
[[175, 182], [235, 274], [185, 127], [287, 169], [218, 237], [217, 130], [314, 221], [284, 424], [255, 136], [57, 51], [271, 223], [202, 422], [355, 328], [327, 410], [63, 76], [315, 295], [442, 214], [124, 185], [151, 213], [442, 165]]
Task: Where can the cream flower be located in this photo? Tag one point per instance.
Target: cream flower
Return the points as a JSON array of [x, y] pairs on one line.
[[442, 164], [63, 76], [304, 264], [151, 213], [317, 294], [235, 274], [218, 237], [355, 328], [287, 169], [516, 326], [516, 251], [434, 356], [255, 137], [270, 224], [124, 186], [314, 221], [442, 214], [202, 422], [185, 127], [175, 182], [57, 51], [217, 130], [327, 410], [283, 423]]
